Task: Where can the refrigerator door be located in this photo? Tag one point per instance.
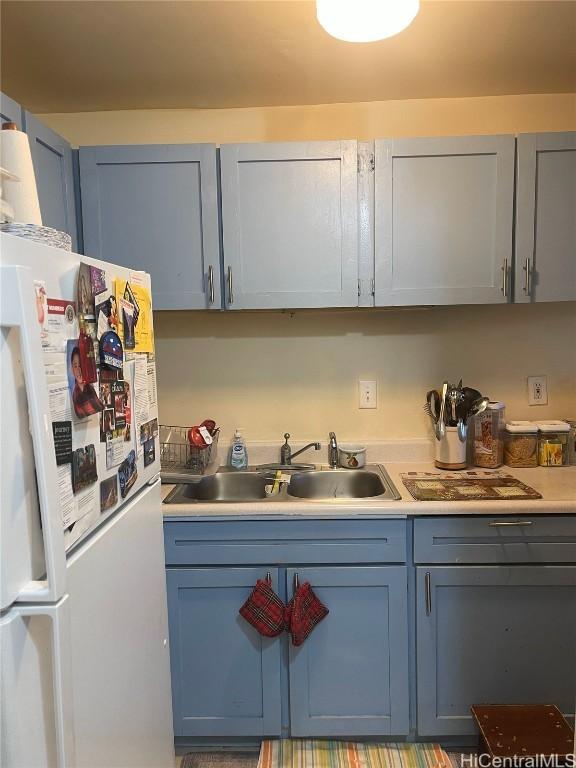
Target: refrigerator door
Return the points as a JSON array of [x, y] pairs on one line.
[[58, 271], [37, 720], [119, 629], [27, 445]]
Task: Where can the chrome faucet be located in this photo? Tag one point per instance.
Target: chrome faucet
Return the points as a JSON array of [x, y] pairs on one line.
[[333, 450], [286, 454]]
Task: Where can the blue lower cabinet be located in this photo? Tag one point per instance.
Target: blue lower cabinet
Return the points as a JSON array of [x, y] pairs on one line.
[[493, 635], [225, 676], [350, 677]]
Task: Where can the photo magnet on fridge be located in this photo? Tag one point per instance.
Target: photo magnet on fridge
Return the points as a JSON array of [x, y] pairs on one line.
[[127, 473], [84, 398], [129, 296], [108, 493], [107, 424], [149, 452], [85, 297], [62, 431], [97, 280], [111, 351], [119, 402], [83, 468]]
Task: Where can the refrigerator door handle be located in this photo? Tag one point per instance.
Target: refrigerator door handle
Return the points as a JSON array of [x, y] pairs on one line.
[[59, 616], [17, 310]]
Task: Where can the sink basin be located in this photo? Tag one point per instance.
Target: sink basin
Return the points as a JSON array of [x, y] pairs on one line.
[[336, 484], [223, 486], [307, 484]]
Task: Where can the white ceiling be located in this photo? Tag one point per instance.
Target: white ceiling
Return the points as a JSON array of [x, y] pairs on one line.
[[89, 55]]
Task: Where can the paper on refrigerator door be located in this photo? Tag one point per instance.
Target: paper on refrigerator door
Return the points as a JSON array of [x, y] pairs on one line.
[[141, 398]]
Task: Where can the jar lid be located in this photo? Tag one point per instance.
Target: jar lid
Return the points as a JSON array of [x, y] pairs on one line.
[[495, 406], [521, 426], [553, 426]]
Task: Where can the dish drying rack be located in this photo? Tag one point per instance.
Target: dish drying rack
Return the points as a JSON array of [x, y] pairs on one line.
[[178, 457]]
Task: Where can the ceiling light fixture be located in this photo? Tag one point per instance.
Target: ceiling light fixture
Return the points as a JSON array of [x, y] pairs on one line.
[[364, 21]]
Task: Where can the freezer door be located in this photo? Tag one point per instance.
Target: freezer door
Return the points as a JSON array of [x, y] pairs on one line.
[[120, 661], [37, 727]]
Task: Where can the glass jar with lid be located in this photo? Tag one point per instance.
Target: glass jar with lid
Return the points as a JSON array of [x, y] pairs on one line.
[[553, 443], [521, 444], [487, 436], [571, 441]]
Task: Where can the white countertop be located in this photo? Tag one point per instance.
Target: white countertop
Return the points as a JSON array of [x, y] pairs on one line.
[[556, 484]]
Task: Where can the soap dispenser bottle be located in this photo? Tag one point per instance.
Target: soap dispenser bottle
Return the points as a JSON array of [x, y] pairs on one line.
[[238, 452]]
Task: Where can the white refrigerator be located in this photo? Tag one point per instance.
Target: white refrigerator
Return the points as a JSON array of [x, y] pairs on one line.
[[84, 675]]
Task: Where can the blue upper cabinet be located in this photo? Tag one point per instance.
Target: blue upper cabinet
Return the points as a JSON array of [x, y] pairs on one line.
[[443, 220], [155, 208], [225, 676], [53, 168], [546, 217], [10, 111], [350, 677], [493, 634], [289, 222]]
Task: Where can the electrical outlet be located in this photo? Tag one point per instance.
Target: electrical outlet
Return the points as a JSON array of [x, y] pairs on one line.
[[537, 390], [367, 394]]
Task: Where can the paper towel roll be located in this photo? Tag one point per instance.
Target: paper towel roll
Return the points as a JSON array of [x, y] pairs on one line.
[[21, 195]]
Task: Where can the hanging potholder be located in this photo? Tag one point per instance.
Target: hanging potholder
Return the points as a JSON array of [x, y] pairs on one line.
[[264, 609]]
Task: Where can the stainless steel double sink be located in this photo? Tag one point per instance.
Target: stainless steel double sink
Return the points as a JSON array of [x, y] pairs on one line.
[[313, 483]]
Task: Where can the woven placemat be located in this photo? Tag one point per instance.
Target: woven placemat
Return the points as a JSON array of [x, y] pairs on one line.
[[471, 485]]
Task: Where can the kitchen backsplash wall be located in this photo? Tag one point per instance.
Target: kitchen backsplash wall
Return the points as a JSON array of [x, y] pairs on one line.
[[271, 372]]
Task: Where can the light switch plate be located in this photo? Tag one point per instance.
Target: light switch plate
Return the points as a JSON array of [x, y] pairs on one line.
[[537, 390], [367, 394]]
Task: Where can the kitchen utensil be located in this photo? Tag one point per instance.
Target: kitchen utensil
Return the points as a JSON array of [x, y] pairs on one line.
[[440, 426], [462, 430], [432, 406], [478, 406], [455, 398]]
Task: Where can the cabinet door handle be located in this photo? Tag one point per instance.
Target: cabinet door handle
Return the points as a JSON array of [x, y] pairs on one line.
[[500, 523], [528, 277], [230, 290], [505, 278], [428, 593], [296, 583], [211, 284]]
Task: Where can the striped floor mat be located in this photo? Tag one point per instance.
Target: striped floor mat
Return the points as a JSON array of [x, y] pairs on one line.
[[312, 753]]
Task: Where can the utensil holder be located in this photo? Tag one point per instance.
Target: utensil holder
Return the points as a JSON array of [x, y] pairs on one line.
[[450, 450]]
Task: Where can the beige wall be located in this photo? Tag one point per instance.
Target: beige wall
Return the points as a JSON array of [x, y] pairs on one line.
[[368, 120], [271, 372]]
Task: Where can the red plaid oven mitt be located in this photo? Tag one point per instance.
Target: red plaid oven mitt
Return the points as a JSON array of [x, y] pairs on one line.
[[264, 609], [303, 613]]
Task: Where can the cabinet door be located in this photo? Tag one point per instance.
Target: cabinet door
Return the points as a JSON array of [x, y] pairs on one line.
[[545, 263], [493, 635], [225, 676], [53, 168], [156, 208], [350, 677], [10, 111], [443, 220], [289, 220]]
